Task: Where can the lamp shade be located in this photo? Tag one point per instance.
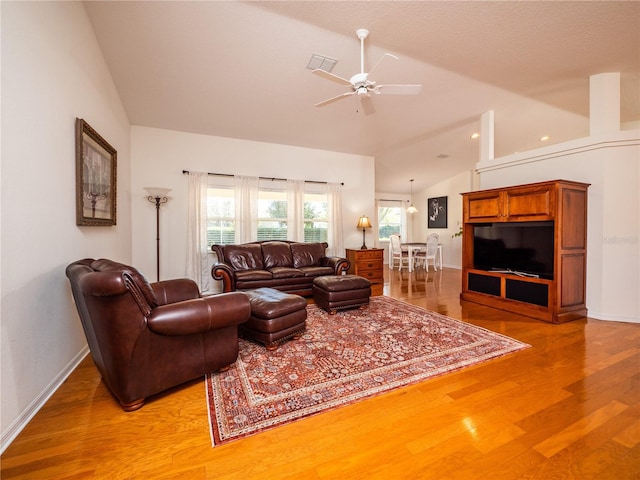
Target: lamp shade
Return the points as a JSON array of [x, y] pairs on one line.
[[157, 192], [363, 222]]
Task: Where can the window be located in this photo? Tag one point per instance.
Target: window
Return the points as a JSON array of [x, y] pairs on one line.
[[221, 221], [272, 215], [316, 217], [274, 221], [389, 219]]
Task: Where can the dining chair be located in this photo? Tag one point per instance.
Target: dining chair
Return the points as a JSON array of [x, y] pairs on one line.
[[397, 254], [430, 253]]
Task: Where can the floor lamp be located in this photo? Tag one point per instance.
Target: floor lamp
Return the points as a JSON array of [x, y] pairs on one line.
[[157, 196]]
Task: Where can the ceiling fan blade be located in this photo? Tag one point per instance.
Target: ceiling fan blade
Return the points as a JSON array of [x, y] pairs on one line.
[[382, 58], [331, 76], [334, 99], [367, 105], [399, 89]]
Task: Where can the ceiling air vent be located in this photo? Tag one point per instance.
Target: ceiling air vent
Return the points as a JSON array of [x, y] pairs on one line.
[[321, 62]]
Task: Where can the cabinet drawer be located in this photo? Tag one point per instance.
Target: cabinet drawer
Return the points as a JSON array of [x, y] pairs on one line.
[[362, 265], [371, 275], [369, 254]]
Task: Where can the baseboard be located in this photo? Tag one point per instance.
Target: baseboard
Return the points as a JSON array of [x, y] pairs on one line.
[[612, 318], [10, 434]]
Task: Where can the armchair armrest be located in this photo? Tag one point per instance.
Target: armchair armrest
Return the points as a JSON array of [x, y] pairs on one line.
[[222, 271], [339, 264], [112, 283], [176, 290], [102, 284], [200, 315]]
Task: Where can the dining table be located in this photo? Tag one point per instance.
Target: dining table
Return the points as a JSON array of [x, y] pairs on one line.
[[413, 247]]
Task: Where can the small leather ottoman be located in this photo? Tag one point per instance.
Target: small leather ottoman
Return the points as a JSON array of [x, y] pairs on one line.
[[275, 316], [337, 292]]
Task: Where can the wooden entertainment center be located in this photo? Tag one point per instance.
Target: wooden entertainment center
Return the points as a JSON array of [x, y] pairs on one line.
[[561, 206]]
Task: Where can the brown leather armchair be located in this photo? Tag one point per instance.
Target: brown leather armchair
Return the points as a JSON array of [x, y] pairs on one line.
[[145, 338]]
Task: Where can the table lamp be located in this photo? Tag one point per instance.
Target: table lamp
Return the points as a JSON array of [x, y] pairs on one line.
[[363, 222]]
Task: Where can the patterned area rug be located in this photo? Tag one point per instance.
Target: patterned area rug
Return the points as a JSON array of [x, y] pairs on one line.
[[342, 358]]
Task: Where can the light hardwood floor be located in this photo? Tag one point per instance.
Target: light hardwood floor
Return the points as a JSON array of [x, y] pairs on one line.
[[567, 408]]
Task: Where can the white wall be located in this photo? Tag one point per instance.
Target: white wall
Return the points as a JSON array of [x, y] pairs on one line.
[[611, 164], [450, 188], [52, 72], [160, 156]]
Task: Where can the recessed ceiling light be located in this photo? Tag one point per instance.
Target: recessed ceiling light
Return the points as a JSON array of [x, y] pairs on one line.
[[474, 136], [544, 138]]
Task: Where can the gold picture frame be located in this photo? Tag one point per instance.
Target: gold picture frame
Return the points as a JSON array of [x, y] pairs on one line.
[[96, 163]]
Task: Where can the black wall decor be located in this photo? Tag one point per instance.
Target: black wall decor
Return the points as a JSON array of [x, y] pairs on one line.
[[437, 212]]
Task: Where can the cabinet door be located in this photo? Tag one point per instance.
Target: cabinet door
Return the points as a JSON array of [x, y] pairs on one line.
[[529, 204], [484, 207]]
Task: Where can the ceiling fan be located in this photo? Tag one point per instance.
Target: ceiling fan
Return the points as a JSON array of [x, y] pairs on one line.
[[361, 85]]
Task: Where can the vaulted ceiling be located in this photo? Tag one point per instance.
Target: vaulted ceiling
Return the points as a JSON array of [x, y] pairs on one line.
[[238, 69]]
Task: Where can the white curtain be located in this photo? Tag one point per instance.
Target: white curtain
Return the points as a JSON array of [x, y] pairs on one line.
[[335, 237], [295, 210], [246, 202], [197, 252], [374, 222]]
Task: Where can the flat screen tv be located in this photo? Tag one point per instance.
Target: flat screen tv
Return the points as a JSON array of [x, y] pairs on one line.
[[522, 248]]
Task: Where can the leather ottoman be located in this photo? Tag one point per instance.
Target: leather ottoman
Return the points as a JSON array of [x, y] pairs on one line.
[[275, 317], [337, 292]]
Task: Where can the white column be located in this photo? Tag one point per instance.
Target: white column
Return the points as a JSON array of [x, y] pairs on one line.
[[604, 103], [486, 136]]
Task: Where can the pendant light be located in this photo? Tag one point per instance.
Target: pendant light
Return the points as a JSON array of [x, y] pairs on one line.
[[411, 208]]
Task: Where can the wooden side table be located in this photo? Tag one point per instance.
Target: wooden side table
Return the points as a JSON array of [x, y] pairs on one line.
[[368, 264]]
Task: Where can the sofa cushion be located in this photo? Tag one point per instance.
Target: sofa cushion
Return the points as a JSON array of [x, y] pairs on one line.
[[245, 275], [286, 272], [244, 257], [315, 271], [307, 254], [276, 254]]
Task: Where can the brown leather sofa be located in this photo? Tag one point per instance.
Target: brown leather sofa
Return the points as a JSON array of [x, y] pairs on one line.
[[145, 338], [283, 265]]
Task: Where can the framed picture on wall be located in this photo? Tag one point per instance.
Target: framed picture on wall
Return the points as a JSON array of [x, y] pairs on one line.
[[437, 212], [95, 177]]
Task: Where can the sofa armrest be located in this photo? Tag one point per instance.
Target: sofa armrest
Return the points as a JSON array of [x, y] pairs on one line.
[[339, 264], [222, 271], [176, 290], [200, 315]]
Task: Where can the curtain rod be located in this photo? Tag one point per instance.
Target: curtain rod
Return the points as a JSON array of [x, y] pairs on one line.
[[186, 172]]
